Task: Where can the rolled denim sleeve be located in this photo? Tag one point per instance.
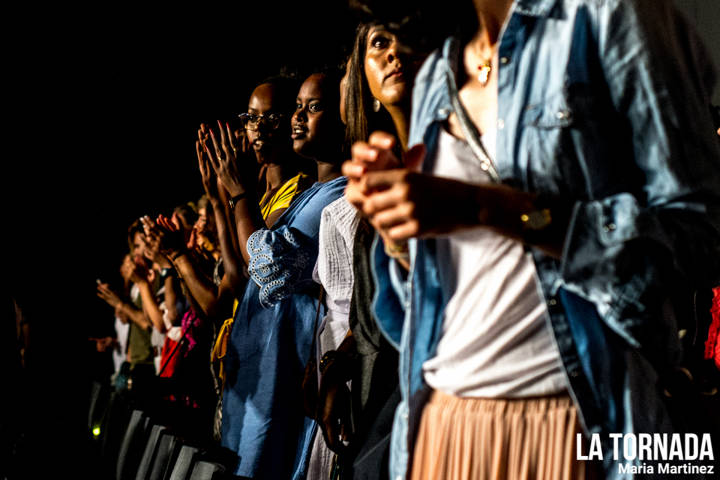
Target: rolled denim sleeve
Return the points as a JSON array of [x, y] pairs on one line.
[[623, 251]]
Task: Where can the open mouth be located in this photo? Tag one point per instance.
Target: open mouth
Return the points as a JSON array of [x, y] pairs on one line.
[[298, 132]]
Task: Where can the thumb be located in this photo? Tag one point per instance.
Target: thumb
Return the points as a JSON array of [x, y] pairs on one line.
[[193, 239], [414, 157]]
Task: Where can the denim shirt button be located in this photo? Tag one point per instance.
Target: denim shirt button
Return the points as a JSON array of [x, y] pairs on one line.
[[562, 114], [504, 60], [609, 227], [500, 124], [552, 302], [573, 373], [443, 112]]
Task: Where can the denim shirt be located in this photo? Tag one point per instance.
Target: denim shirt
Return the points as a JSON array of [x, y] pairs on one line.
[[602, 103]]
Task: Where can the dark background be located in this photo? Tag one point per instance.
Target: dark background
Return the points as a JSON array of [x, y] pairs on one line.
[[104, 105]]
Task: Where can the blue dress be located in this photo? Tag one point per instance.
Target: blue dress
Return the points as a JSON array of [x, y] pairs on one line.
[[263, 420]]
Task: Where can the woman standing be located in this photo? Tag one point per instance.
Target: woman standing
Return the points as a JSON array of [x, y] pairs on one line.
[[543, 258], [263, 421]]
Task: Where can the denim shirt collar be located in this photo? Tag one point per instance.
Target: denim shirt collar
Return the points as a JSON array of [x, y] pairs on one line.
[[534, 8]]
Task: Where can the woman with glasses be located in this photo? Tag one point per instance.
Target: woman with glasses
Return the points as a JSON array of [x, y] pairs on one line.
[[267, 128], [263, 419]]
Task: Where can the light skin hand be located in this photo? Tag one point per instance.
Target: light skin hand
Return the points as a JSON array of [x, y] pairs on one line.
[[110, 297], [374, 155]]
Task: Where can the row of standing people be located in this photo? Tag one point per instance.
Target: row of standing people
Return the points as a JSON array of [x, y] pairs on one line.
[[487, 279]]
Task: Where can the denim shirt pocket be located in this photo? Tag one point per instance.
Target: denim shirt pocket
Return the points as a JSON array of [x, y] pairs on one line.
[[554, 112], [546, 155], [561, 143]]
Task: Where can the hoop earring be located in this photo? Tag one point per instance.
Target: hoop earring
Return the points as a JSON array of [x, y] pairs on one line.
[[376, 105]]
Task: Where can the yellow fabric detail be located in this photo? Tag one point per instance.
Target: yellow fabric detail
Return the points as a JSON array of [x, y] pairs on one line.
[[220, 348], [283, 197]]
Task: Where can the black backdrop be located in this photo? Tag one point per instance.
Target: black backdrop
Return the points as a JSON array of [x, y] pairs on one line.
[[103, 106]]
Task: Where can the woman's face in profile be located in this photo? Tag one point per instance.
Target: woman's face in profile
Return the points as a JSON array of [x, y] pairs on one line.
[[387, 67], [265, 135], [315, 119]]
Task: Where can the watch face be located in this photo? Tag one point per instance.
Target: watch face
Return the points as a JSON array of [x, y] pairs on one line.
[[537, 219]]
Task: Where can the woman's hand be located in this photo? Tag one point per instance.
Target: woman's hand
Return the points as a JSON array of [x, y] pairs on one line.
[[207, 173], [139, 274], [110, 297], [238, 175], [334, 403], [403, 204], [168, 237], [375, 155], [153, 253]]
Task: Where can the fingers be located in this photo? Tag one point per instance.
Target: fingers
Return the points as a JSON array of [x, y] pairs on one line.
[[377, 153], [385, 179], [215, 146], [414, 157], [404, 231], [353, 170], [355, 197], [224, 139], [166, 223], [382, 140], [386, 199], [199, 153], [147, 224], [363, 153], [232, 140]]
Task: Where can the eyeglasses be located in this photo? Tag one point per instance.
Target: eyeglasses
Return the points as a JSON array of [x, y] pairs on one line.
[[251, 121]]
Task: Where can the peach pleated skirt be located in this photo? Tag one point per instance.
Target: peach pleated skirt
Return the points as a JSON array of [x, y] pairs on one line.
[[497, 439]]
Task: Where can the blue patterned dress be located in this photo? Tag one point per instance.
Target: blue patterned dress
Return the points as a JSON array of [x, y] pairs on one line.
[[263, 421]]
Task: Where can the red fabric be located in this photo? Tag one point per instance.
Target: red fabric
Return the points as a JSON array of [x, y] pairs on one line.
[[165, 358], [712, 345]]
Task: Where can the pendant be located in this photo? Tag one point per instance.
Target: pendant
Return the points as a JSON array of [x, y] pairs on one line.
[[484, 74]]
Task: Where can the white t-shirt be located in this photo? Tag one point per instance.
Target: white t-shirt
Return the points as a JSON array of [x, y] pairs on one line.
[[496, 340]]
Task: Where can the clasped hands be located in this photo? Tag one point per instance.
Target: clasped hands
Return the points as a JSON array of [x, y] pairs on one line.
[[402, 203]]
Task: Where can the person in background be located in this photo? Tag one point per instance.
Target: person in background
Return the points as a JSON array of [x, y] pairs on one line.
[[140, 368], [379, 77]]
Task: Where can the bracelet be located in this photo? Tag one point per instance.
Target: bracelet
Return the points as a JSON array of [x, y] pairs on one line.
[[233, 201], [167, 272], [176, 255], [536, 219], [398, 251], [329, 356]]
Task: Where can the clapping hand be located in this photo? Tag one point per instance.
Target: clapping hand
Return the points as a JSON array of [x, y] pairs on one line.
[[163, 233], [224, 154], [110, 297]]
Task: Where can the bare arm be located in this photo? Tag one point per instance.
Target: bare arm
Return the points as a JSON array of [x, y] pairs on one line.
[[123, 310]]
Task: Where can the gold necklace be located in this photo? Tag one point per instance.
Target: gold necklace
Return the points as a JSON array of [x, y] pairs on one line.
[[484, 70]]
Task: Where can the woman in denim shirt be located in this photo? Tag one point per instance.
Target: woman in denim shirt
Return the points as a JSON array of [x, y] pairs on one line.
[[605, 170]]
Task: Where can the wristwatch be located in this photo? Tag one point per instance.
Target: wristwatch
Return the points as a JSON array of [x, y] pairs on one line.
[[233, 201], [536, 219]]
